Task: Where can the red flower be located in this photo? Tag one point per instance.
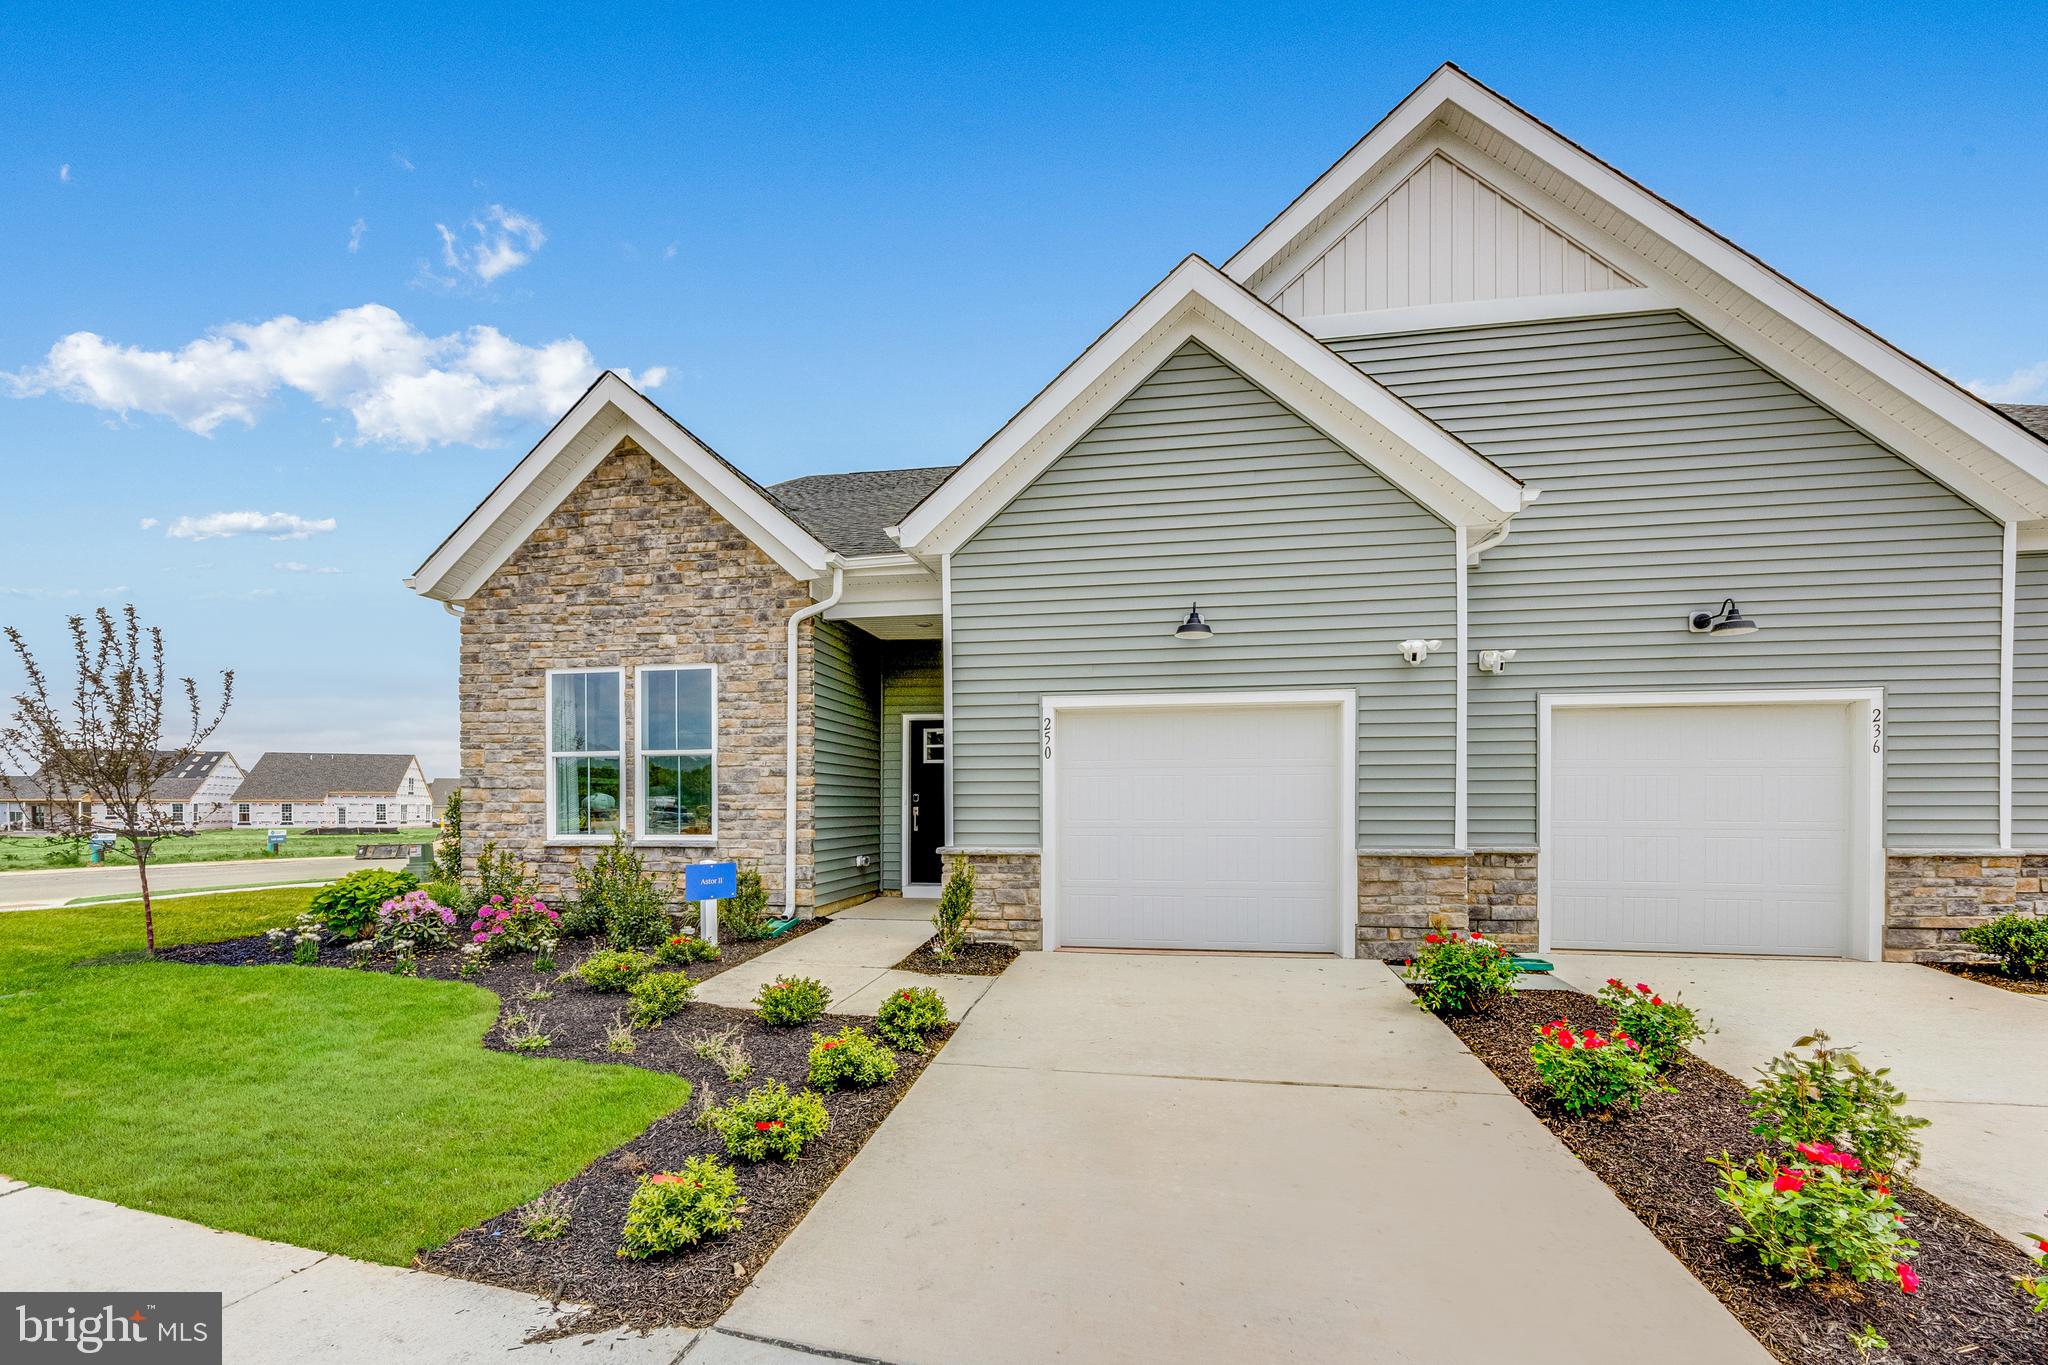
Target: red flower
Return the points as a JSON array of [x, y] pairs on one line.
[[664, 1179], [903, 995], [830, 1043], [2042, 1243], [1641, 987], [1477, 934], [1789, 1182], [1614, 981], [1432, 938], [1656, 999], [1815, 1151], [1908, 1281], [1880, 1187], [762, 1126]]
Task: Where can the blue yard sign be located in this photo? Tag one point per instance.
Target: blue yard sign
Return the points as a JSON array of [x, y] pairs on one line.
[[711, 881]]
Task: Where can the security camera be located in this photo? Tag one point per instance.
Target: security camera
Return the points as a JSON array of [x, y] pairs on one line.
[[1418, 651], [1495, 660]]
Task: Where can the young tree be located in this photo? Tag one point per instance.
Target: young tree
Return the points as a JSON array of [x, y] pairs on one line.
[[448, 849], [100, 752]]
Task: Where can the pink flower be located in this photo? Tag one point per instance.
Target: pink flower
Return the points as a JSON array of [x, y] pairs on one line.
[[1908, 1281], [1789, 1182]]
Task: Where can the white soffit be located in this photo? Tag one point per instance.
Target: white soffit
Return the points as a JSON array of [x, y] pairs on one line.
[[1198, 303], [1871, 383]]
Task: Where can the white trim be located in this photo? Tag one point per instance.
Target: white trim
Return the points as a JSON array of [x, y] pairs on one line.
[[1435, 317], [549, 754], [1345, 703], [1459, 783], [638, 835], [2008, 598], [1197, 302], [903, 800], [946, 681], [1865, 717]]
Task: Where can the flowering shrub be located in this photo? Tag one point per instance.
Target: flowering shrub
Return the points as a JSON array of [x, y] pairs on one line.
[[849, 1058], [680, 950], [1461, 974], [547, 1217], [416, 920], [791, 1000], [677, 1209], [1584, 1071], [909, 1017], [470, 961], [349, 907], [1662, 1028], [1832, 1097], [1815, 1215], [613, 970], [2020, 942], [516, 924], [769, 1121], [658, 996], [2036, 1286]]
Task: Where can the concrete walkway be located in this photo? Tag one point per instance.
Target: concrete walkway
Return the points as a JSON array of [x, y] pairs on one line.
[[39, 890], [1192, 1159], [854, 955], [287, 1304], [1970, 1057]]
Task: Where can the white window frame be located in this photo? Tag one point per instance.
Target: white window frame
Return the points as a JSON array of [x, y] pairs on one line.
[[241, 812], [641, 754], [177, 812], [383, 810], [548, 748]]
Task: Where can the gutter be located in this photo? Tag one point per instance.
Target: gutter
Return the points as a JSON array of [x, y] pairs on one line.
[[796, 619]]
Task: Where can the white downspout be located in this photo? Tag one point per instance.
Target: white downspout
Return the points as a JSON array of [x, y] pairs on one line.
[[789, 723]]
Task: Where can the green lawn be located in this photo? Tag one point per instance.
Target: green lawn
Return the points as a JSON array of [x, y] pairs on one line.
[[353, 1112], [19, 851]]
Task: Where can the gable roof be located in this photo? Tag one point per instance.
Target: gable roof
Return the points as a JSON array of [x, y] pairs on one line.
[[609, 412], [852, 512], [182, 783], [2032, 416], [1197, 302], [316, 777], [440, 789], [1924, 416]]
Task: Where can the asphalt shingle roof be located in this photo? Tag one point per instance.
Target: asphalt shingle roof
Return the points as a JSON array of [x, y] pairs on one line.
[[847, 512], [2032, 416], [182, 783], [315, 777]]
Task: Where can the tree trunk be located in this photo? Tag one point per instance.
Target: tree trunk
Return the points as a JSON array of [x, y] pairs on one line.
[[148, 920]]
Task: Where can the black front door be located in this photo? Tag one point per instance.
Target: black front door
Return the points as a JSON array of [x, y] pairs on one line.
[[927, 801]]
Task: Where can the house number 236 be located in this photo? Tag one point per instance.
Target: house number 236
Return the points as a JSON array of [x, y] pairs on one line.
[[1045, 737], [1877, 729]]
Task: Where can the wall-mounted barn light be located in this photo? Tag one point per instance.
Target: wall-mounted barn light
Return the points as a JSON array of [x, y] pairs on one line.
[[1729, 620], [1194, 628]]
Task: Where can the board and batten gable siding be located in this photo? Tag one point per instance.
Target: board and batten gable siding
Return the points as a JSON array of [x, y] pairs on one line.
[[1674, 473], [1201, 487], [845, 758], [913, 684], [2030, 703]]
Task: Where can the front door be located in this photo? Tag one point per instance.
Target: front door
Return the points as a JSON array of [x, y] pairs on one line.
[[926, 818]]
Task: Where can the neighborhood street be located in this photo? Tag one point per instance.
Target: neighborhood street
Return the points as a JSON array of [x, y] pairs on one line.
[[34, 890]]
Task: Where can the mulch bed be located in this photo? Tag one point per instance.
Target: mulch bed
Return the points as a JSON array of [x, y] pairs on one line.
[[1992, 976], [970, 959], [1654, 1161], [691, 1288]]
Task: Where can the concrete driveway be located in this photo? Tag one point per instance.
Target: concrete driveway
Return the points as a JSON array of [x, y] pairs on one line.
[[1188, 1158], [1970, 1057]]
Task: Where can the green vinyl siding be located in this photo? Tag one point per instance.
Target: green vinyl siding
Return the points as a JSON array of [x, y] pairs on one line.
[[1674, 473], [2030, 704], [846, 755], [1201, 486], [913, 684]]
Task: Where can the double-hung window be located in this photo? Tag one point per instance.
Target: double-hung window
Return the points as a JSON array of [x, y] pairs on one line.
[[586, 753], [678, 753], [284, 813]]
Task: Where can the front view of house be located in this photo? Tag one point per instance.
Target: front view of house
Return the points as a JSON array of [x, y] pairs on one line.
[[1486, 542]]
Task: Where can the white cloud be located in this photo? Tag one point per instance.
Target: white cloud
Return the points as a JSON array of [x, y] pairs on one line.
[[64, 173], [294, 566], [52, 593], [496, 242], [668, 253], [355, 235], [148, 522], [2025, 385], [221, 525], [403, 163], [401, 386]]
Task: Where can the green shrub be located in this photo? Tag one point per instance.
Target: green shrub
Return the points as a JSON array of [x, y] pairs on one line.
[[448, 848], [583, 919], [615, 887], [745, 915], [850, 1059], [680, 950], [909, 1017], [613, 970], [1461, 975], [677, 1209], [446, 892], [1585, 1072], [1831, 1097], [1812, 1217], [955, 913], [658, 996], [349, 907], [2020, 942], [547, 1217], [1664, 1029], [791, 1000], [500, 874], [2035, 1287], [768, 1121]]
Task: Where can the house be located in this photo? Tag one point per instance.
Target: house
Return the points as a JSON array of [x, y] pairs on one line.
[[194, 795], [1487, 542], [345, 792], [439, 790]]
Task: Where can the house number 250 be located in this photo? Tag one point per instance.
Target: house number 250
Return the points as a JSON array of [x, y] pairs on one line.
[[1045, 736]]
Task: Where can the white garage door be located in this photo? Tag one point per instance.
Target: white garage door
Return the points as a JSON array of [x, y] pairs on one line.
[[1198, 827], [1718, 829]]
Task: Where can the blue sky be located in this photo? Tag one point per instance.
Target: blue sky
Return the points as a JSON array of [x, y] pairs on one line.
[[839, 239]]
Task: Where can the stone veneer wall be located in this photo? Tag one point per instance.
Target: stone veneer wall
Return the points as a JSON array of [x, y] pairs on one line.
[[634, 569], [1005, 896], [1402, 896], [1930, 898], [1502, 892]]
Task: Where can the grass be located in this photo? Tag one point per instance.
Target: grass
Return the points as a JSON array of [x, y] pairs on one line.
[[20, 851], [353, 1112]]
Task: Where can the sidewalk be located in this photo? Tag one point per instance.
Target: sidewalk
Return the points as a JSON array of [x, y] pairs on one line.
[[855, 956], [41, 889]]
